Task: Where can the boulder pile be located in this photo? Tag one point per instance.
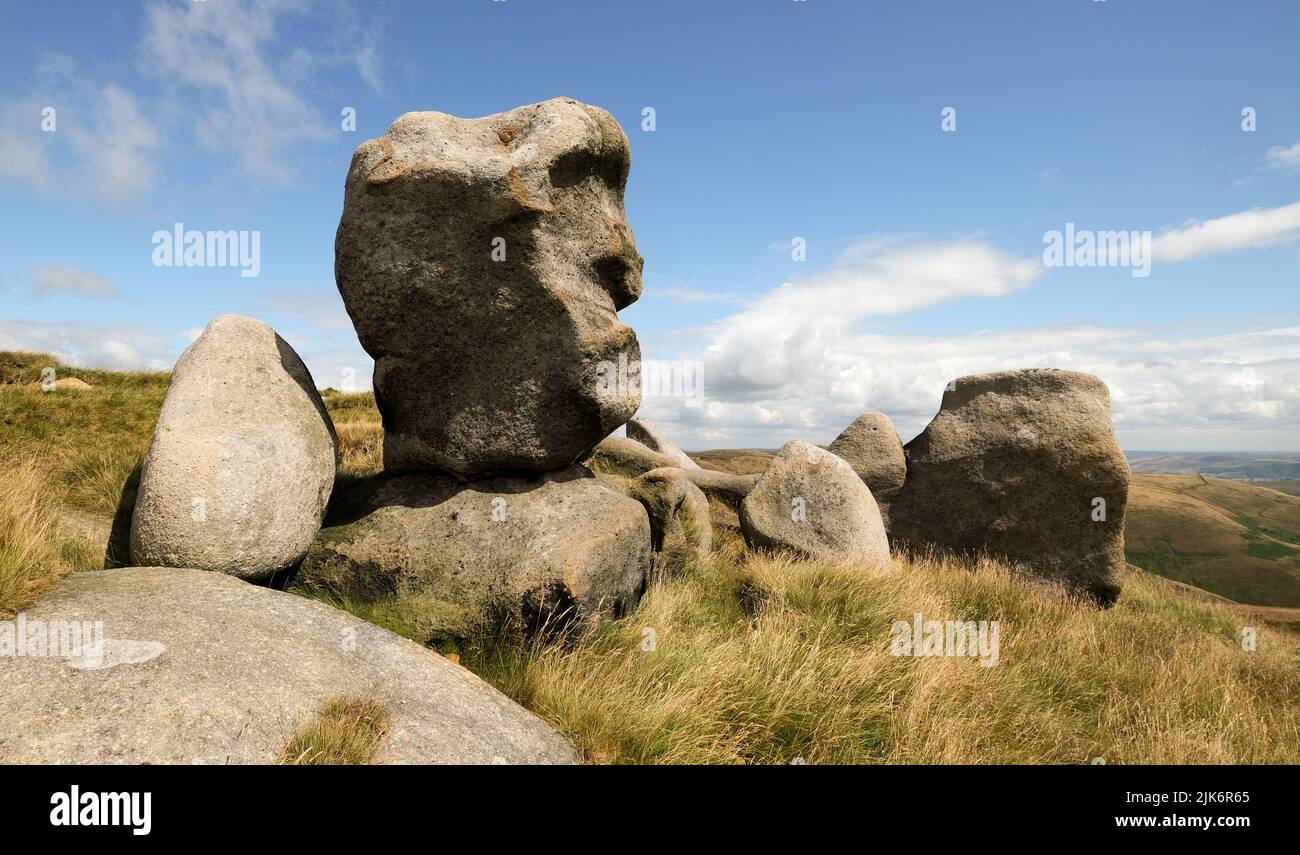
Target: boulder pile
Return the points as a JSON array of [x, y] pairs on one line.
[[483, 262]]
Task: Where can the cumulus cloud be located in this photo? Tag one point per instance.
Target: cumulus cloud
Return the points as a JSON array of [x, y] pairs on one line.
[[798, 362], [1171, 387], [1258, 227], [119, 347], [1287, 159], [800, 323], [69, 280]]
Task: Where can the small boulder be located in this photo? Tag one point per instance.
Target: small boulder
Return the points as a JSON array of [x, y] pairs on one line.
[[242, 460], [811, 502], [1024, 465], [644, 432], [522, 553], [680, 526], [872, 447]]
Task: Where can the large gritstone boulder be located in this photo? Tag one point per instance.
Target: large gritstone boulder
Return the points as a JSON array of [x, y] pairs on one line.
[[242, 460], [1024, 465], [811, 502], [167, 665], [483, 262], [498, 553]]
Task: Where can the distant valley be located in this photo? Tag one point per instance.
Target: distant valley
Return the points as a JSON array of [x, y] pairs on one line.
[[1235, 466]]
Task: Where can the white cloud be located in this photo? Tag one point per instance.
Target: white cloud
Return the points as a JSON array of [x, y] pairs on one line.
[[114, 145], [799, 364], [1278, 157], [694, 296], [114, 346], [1233, 386], [799, 324], [69, 280], [1258, 227], [99, 139], [228, 56]]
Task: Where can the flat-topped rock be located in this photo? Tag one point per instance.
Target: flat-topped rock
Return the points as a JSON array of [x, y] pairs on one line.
[[1025, 465], [200, 667]]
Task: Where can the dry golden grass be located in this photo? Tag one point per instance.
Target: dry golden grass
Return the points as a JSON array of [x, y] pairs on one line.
[[32, 554], [346, 731], [361, 449], [765, 659]]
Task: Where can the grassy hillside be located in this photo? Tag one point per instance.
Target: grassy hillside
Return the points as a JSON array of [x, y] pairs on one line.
[[758, 659], [1291, 487], [1237, 540]]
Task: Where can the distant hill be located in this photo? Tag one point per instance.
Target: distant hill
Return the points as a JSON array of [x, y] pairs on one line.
[[1238, 540], [1235, 466]]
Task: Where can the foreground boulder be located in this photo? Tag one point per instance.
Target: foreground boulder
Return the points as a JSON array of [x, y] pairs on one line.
[[811, 502], [872, 447], [680, 524], [483, 262], [501, 552], [198, 667], [644, 432], [1024, 465], [242, 460]]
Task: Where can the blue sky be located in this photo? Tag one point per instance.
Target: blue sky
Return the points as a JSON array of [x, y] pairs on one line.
[[774, 120]]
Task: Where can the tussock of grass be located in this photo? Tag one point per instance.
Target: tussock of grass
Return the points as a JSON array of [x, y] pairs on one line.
[[361, 451], [32, 555], [346, 731], [768, 659]]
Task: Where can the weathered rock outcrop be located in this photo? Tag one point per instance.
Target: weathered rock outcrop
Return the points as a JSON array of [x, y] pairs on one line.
[[198, 667], [242, 459], [514, 552], [644, 432], [680, 523], [483, 262], [1024, 465], [813, 503]]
